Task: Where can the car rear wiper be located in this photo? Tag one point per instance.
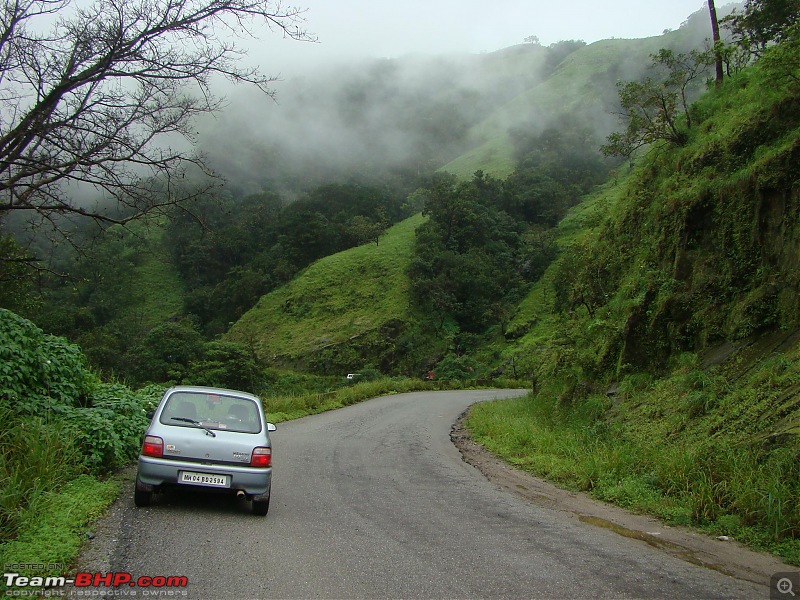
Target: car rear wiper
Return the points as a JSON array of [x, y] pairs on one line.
[[193, 422]]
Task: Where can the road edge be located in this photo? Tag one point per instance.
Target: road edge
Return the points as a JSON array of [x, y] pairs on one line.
[[727, 557]]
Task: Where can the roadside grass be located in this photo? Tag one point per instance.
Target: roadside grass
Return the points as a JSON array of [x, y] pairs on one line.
[[655, 451], [36, 456], [50, 532]]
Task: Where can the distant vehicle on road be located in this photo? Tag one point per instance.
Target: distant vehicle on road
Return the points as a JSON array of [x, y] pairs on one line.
[[208, 440]]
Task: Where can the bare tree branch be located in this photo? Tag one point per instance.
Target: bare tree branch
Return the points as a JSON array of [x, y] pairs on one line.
[[97, 99]]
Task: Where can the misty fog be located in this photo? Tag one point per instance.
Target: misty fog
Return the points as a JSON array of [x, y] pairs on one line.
[[368, 119], [363, 117]]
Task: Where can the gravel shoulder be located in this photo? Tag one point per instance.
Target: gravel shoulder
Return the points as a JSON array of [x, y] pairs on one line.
[[728, 557]]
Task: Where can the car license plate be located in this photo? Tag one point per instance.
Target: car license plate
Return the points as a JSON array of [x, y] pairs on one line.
[[208, 479]]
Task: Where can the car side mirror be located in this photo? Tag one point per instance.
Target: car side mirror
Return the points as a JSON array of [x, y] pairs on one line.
[[151, 414], [271, 427]]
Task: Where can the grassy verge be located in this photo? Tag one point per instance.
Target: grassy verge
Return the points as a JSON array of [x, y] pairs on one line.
[[49, 540], [715, 483]]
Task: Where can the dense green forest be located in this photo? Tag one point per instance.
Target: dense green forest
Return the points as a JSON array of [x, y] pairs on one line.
[[640, 276]]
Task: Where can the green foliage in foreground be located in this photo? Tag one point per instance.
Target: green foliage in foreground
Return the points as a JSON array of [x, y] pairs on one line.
[[61, 427], [53, 536]]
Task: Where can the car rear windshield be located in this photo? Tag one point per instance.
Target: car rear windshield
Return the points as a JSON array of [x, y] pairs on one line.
[[211, 411]]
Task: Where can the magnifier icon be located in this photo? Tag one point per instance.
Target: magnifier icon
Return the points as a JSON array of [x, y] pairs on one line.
[[784, 586]]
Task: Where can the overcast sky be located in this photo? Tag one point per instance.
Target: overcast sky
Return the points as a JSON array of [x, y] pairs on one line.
[[395, 28]]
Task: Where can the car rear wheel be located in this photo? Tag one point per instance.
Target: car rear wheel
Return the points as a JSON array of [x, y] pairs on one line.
[[141, 497], [261, 507]]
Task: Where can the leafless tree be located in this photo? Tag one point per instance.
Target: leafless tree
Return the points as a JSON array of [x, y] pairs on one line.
[[92, 95]]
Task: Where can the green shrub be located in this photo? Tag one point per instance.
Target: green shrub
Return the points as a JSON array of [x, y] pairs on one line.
[[59, 420], [456, 368], [109, 432], [167, 352], [37, 370]]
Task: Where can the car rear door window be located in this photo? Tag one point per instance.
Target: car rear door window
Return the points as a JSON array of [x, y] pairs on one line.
[[211, 411]]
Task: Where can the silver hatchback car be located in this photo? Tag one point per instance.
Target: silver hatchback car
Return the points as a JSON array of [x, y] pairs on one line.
[[207, 439]]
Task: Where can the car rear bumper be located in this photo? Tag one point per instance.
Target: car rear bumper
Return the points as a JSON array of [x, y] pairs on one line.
[[157, 472]]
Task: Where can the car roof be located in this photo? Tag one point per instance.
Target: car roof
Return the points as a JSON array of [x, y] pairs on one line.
[[210, 390]]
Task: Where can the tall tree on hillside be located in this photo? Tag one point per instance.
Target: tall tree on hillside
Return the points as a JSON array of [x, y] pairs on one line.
[[717, 43], [95, 101]]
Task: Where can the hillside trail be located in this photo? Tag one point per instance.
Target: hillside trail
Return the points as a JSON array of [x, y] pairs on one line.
[[726, 556]]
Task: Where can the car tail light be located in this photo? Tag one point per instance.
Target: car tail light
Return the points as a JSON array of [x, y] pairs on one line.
[[261, 457], [153, 446]]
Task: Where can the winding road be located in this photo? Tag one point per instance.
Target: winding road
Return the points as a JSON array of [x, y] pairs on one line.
[[375, 501]]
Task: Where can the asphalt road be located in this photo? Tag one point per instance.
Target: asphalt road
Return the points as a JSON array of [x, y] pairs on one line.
[[374, 501]]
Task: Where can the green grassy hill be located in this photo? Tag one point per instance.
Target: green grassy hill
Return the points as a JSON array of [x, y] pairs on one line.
[[696, 247], [583, 87], [335, 314]]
